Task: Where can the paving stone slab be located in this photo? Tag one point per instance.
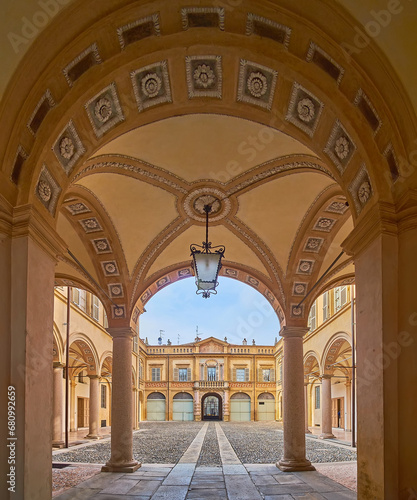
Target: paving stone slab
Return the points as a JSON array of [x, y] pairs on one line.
[[101, 480], [234, 469], [170, 493], [320, 483], [145, 488], [288, 479], [309, 496], [240, 487], [78, 494], [263, 480], [262, 469], [205, 485], [341, 495], [278, 497], [207, 495], [107, 496], [285, 489], [120, 486]]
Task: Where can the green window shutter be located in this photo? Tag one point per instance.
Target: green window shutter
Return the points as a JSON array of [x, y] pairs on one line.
[[246, 374], [189, 374], [260, 375], [234, 374], [176, 374], [272, 375]]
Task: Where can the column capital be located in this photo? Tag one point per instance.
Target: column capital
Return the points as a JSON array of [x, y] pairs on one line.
[[58, 364], [93, 376], [293, 331], [326, 376], [121, 332]]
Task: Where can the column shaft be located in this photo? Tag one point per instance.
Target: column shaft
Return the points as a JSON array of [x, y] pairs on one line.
[[294, 458], [94, 408], [57, 440], [121, 459], [326, 408], [307, 430], [348, 409]]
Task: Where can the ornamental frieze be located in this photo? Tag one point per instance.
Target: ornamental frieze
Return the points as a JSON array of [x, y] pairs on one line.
[[156, 384], [181, 384]]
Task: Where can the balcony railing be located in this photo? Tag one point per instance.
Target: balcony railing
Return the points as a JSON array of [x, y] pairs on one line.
[[212, 384]]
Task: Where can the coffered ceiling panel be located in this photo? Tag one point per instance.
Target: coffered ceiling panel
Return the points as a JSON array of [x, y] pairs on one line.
[[275, 210], [179, 249], [189, 146], [336, 246], [75, 245], [139, 211]]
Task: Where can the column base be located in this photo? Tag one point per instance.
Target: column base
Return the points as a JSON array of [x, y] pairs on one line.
[[197, 418], [129, 467], [58, 444], [295, 465], [93, 436], [308, 431], [327, 435], [226, 418]]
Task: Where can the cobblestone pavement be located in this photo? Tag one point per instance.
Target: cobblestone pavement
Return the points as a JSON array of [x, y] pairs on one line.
[[187, 478]]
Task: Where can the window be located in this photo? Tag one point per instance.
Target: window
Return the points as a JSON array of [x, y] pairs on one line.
[[141, 370], [280, 372], [83, 300], [95, 308], [326, 312], [266, 375], [76, 296], [135, 343], [105, 320], [211, 373], [103, 396], [240, 374], [317, 397], [183, 374], [340, 297], [156, 374], [312, 317]]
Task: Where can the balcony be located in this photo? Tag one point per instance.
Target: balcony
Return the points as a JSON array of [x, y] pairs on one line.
[[211, 384]]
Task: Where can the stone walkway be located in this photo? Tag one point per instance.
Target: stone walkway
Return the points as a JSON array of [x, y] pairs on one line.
[[230, 481]]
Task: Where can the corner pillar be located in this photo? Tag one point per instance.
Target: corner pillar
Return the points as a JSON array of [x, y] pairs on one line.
[[121, 459], [294, 458], [57, 440], [94, 408]]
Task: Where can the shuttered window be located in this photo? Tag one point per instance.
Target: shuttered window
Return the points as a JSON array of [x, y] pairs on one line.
[[156, 374], [240, 375], [103, 396], [266, 375], [317, 398], [326, 313]]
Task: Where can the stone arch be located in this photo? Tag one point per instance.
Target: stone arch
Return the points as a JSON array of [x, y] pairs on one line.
[[106, 362], [58, 345], [338, 346], [312, 365], [266, 395], [212, 411], [86, 351], [182, 395]]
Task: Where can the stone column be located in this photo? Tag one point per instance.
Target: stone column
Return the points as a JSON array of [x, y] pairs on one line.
[[348, 406], [326, 407], [197, 402], [73, 404], [94, 408], [226, 410], [57, 419], [135, 413], [306, 405], [294, 458], [121, 459]]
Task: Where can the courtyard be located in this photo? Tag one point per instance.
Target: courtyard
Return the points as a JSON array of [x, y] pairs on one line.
[[206, 460]]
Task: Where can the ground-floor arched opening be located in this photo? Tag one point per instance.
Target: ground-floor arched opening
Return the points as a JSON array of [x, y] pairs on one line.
[[211, 407], [266, 406], [155, 406], [183, 407], [240, 406]]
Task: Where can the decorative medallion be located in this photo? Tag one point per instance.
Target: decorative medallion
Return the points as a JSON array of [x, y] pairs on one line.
[[68, 282], [392, 161], [324, 224], [304, 109], [146, 296], [252, 281], [78, 208], [195, 201], [47, 190], [256, 84], [116, 290], [166, 280], [110, 268], [151, 85], [340, 147], [297, 311], [337, 207], [204, 76], [263, 27], [230, 272], [104, 110], [299, 289], [135, 315], [84, 61], [138, 30], [118, 312], [184, 273], [91, 225], [367, 109], [313, 245], [269, 295], [348, 281], [305, 266], [101, 245], [202, 17], [361, 189]]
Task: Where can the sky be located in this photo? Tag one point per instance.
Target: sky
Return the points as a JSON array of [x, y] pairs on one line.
[[237, 311]]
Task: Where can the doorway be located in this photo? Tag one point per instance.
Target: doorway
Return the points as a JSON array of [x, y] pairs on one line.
[[211, 407], [338, 413]]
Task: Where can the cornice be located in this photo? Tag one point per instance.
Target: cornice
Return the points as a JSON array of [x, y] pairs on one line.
[[27, 221]]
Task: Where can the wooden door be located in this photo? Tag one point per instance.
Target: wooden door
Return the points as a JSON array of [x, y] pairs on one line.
[[334, 412], [342, 412], [82, 412]]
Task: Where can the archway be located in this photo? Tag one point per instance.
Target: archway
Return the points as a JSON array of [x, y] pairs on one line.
[[155, 406], [211, 407], [183, 407], [266, 406], [240, 407]]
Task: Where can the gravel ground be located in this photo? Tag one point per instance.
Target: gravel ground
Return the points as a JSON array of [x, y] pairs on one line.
[[262, 443], [343, 473], [156, 442], [71, 476], [210, 453]]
